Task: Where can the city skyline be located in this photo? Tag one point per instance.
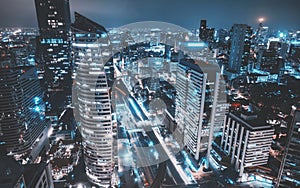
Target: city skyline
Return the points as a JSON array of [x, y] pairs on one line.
[[280, 15], [86, 103]]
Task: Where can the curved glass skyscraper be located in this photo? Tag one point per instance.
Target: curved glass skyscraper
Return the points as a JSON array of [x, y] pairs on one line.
[[90, 43]]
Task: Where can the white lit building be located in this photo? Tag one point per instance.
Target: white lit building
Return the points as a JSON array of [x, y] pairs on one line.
[[92, 104], [247, 140], [198, 108]]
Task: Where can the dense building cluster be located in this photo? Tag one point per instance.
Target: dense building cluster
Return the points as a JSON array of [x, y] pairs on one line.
[[86, 106]]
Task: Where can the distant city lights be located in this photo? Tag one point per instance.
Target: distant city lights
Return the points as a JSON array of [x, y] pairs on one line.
[[281, 35]]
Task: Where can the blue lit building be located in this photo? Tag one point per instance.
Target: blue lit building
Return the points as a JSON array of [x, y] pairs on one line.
[[222, 35], [199, 111], [23, 129], [53, 51], [240, 35]]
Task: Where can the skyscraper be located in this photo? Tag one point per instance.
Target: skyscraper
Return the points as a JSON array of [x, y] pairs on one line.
[[197, 111], [270, 61], [222, 34], [246, 139], [13, 174], [53, 51], [294, 53], [240, 47], [289, 172], [206, 34], [22, 128], [90, 44], [261, 34], [202, 30]]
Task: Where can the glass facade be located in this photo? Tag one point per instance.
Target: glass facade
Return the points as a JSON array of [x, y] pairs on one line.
[[93, 99], [240, 47], [22, 123], [197, 88], [53, 51]]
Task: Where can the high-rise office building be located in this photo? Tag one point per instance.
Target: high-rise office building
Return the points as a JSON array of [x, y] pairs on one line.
[[206, 34], [90, 47], [15, 175], [198, 112], [53, 52], [280, 47], [261, 35], [294, 53], [270, 61], [240, 47], [202, 30], [38, 175], [222, 35], [289, 172], [11, 172], [23, 129], [246, 139]]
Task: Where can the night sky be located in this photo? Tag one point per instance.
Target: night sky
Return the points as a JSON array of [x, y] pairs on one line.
[[279, 14]]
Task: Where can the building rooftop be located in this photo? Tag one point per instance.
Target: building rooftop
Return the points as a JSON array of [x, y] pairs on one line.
[[251, 120], [202, 67], [32, 173], [10, 171], [84, 24]]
